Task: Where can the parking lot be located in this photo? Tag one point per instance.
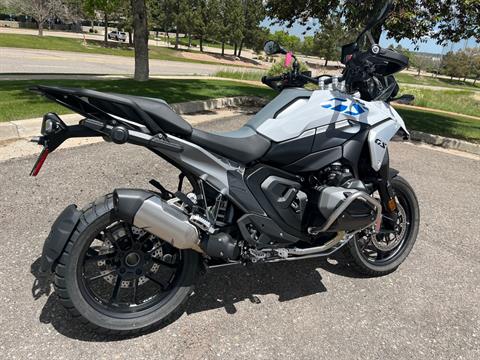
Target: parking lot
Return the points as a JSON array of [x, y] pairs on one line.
[[314, 309]]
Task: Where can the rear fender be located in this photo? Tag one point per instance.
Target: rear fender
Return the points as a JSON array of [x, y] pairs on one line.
[[60, 233]]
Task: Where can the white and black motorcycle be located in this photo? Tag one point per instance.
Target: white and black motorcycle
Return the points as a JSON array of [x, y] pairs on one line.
[[307, 176]]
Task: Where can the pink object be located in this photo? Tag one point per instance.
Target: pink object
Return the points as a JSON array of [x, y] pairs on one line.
[[288, 59]]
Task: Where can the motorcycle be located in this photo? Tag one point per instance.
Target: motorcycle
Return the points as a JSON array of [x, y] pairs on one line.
[[308, 176]]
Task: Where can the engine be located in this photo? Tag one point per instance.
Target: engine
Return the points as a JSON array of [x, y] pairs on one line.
[[341, 202]]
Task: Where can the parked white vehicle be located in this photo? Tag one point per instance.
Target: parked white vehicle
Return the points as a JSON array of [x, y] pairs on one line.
[[117, 35]]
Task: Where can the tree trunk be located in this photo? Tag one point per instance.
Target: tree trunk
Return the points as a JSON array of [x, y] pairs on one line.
[[189, 41], [105, 37], [93, 26], [130, 40], [176, 38], [40, 28], [235, 50], [419, 70], [140, 35], [201, 43], [223, 48], [240, 48], [326, 63], [475, 81]]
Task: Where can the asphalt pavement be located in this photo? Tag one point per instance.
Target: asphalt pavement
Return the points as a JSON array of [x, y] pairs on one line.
[[315, 309], [36, 61]]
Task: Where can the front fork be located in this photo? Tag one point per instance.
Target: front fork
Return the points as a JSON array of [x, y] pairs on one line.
[[387, 194]]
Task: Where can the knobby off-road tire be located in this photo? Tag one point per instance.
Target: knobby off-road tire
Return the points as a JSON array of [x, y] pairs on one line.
[[73, 297], [357, 259]]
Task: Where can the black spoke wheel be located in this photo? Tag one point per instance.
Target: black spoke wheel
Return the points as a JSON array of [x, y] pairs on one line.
[[380, 254], [121, 279], [127, 270]]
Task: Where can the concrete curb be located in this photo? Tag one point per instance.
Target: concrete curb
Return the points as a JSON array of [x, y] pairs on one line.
[[20, 129], [445, 142]]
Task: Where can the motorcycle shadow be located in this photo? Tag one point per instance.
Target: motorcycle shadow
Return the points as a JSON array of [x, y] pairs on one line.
[[219, 288]]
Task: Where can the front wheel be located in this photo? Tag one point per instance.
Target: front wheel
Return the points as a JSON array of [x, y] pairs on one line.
[[120, 279], [381, 254]]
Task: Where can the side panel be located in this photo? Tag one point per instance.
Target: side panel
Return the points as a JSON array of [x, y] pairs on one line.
[[323, 108], [378, 140], [223, 175]]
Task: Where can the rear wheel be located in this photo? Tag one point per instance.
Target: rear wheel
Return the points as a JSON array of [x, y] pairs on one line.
[[120, 279], [377, 255]]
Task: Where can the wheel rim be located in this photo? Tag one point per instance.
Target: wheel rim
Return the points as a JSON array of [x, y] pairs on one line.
[[125, 270], [385, 248]]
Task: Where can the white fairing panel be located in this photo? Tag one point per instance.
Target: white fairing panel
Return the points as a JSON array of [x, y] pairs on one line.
[[326, 107], [378, 139]]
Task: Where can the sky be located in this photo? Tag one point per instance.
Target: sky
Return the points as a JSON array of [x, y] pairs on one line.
[[429, 46]]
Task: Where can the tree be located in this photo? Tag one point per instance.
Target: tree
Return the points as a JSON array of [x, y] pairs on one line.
[[125, 20], [236, 23], [106, 7], [308, 45], [420, 62], [473, 63], [475, 69], [327, 41], [161, 15], [140, 26], [290, 42], [253, 14], [453, 20], [455, 65], [39, 10]]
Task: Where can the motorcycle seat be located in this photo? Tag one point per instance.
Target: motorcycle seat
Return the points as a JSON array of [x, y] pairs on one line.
[[91, 103], [243, 145], [160, 112]]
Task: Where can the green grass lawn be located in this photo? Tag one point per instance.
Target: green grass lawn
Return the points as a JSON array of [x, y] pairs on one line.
[[18, 103], [458, 101], [430, 81], [440, 124], [241, 75], [93, 47]]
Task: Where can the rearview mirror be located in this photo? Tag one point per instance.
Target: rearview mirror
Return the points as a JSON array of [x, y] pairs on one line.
[[272, 47]]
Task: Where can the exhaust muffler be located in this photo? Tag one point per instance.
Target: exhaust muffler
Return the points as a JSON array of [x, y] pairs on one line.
[[147, 211]]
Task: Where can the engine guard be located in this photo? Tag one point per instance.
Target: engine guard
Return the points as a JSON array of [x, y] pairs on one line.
[[60, 233]]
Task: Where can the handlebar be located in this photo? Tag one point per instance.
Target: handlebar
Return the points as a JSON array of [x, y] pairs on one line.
[[294, 79]]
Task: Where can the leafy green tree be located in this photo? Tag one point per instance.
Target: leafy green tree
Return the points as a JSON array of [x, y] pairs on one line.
[[290, 42], [236, 23], [308, 45], [106, 7], [413, 19], [161, 15], [473, 63], [253, 14], [455, 65], [328, 40], [475, 69], [420, 62]]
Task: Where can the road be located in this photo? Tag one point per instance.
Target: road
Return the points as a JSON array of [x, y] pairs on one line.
[[312, 309], [15, 60]]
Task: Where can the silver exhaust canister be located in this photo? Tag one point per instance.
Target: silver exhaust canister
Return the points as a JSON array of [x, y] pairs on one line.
[[147, 211]]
